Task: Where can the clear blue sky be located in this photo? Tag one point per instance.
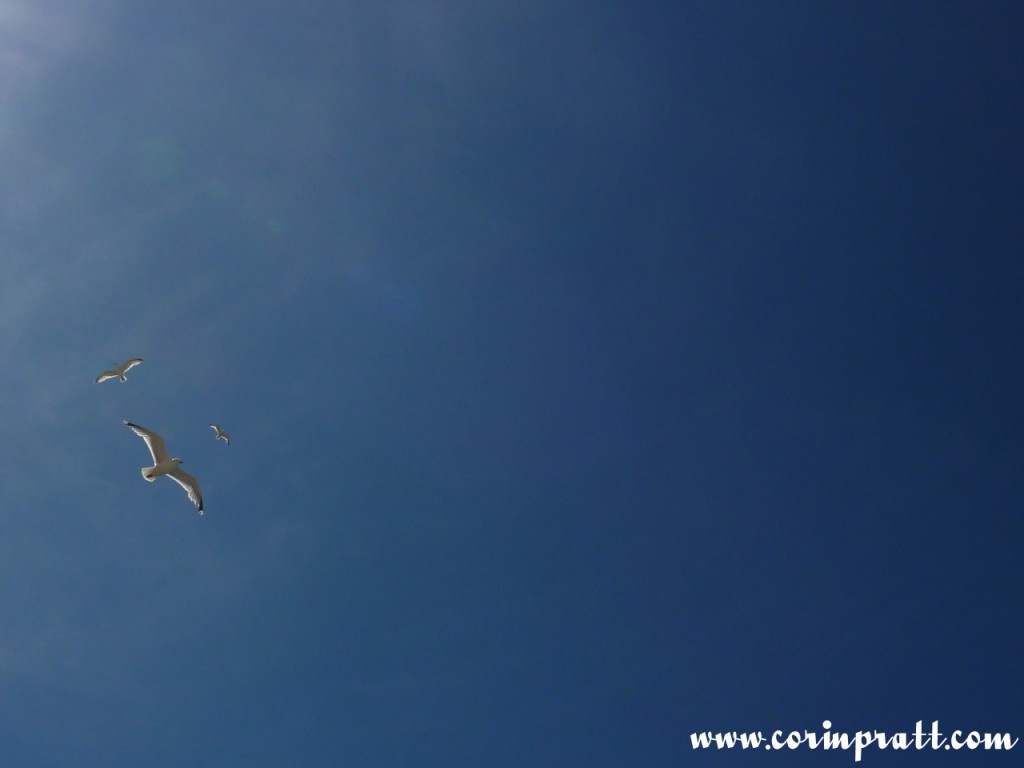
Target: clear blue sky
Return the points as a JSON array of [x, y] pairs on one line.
[[596, 373]]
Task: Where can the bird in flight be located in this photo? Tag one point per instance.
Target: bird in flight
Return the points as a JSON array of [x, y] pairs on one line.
[[163, 464], [221, 434], [119, 371]]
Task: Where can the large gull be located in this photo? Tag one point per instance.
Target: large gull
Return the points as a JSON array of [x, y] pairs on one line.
[[163, 464], [119, 371], [221, 434]]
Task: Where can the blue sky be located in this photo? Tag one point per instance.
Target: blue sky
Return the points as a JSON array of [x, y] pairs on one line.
[[596, 374]]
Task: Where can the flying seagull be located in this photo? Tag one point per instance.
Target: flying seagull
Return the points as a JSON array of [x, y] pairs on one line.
[[221, 434], [163, 464], [119, 371]]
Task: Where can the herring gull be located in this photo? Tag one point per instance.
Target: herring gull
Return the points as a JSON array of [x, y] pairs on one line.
[[163, 464], [119, 371], [221, 434]]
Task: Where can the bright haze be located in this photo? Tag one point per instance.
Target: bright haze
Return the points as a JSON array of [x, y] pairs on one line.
[[596, 373]]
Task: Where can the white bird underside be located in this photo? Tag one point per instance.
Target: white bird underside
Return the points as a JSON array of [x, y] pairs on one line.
[[118, 371], [163, 464], [221, 434]]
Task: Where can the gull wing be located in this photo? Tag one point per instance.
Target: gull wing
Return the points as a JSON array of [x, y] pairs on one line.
[[190, 484], [111, 374], [154, 442], [129, 364]]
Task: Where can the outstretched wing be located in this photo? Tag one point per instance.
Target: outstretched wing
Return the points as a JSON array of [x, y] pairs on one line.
[[111, 374], [129, 364], [190, 484], [154, 442]]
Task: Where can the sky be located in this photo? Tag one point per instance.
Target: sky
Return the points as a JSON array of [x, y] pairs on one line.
[[597, 374]]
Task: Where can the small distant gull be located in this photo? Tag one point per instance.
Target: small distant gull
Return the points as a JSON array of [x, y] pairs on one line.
[[163, 464], [119, 371], [221, 434]]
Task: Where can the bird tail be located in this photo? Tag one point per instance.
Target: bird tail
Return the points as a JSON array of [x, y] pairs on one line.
[[146, 474], [123, 377]]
